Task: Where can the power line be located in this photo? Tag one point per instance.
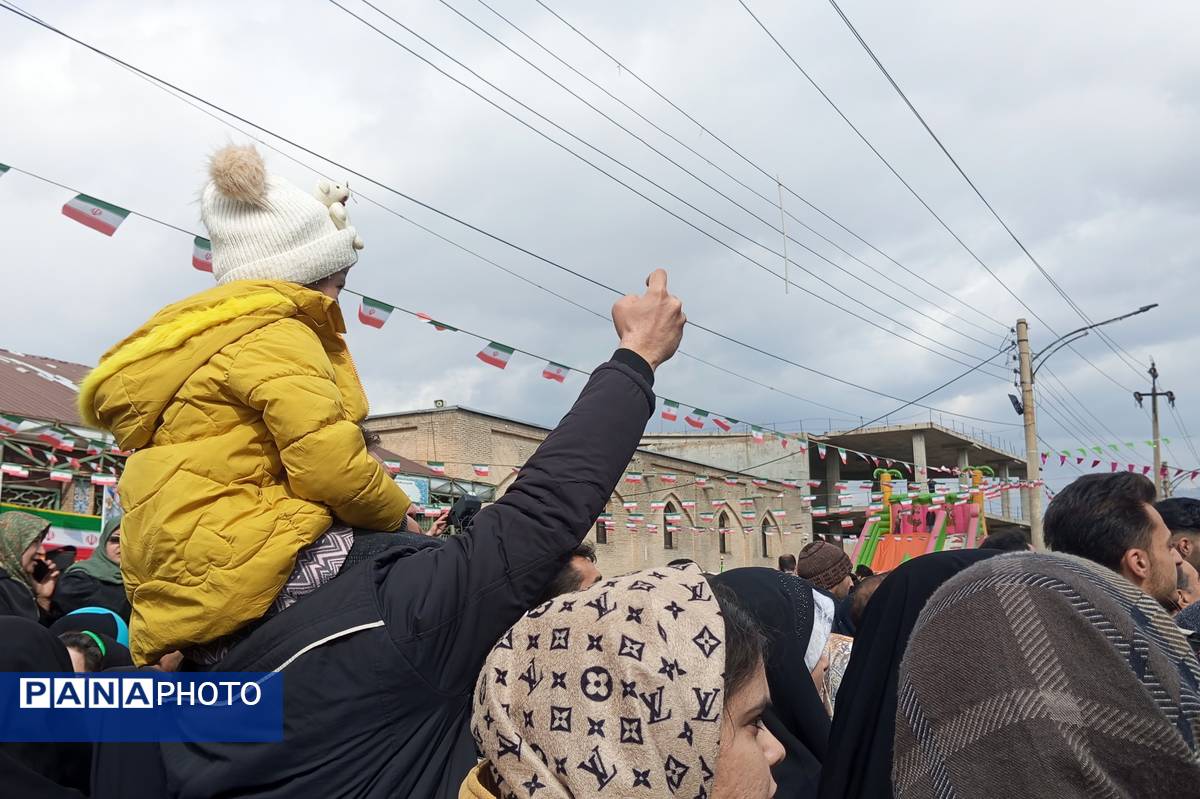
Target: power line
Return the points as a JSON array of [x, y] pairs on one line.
[[1120, 353], [701, 180], [391, 189], [773, 178], [641, 194]]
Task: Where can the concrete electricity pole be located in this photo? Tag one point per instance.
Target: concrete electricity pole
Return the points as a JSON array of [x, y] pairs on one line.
[[1033, 464], [1161, 484]]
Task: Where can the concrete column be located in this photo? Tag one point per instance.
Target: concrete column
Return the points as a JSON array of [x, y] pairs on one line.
[[833, 473], [920, 464], [964, 463], [1005, 499]]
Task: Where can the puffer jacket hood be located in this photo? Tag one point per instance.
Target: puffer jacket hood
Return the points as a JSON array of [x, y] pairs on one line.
[[140, 376]]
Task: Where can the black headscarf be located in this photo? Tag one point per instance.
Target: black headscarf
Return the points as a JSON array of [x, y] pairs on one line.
[[864, 722], [783, 606], [39, 770]]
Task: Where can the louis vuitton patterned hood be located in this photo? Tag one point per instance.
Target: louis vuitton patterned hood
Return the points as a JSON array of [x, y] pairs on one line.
[[614, 691]]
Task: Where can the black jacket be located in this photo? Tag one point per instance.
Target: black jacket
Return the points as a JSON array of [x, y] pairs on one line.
[[77, 589], [16, 599], [379, 665]]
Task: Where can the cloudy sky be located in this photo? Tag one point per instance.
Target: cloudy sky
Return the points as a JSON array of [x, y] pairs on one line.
[[1078, 120]]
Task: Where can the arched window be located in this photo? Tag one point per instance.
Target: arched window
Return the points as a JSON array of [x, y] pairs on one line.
[[601, 531], [669, 512], [722, 526], [762, 534]]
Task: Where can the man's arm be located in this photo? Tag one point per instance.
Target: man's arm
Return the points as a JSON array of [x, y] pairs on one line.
[[479, 584]]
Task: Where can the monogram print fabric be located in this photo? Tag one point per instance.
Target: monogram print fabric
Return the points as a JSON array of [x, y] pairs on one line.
[[614, 691]]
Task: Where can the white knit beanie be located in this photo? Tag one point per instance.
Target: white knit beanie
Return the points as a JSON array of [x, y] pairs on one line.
[[263, 227]]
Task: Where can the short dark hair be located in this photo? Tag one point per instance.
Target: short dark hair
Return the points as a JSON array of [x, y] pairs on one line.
[[1006, 539], [93, 658], [1100, 517], [863, 570], [1182, 514], [745, 645], [787, 563], [680, 562], [568, 579], [861, 596]]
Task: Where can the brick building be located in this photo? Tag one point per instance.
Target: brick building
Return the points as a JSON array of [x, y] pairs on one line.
[[687, 489]]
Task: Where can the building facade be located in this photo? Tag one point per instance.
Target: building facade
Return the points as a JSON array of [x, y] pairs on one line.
[[682, 500]]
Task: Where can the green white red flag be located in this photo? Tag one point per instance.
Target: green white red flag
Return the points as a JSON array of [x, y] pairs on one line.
[[670, 410], [696, 418], [202, 254], [555, 371], [437, 467], [393, 467], [759, 482], [757, 434], [669, 478], [495, 354], [13, 470], [374, 313], [821, 451], [481, 470], [96, 214], [731, 481], [104, 479], [438, 326], [60, 476], [633, 477], [50, 436], [721, 423], [842, 454], [9, 424], [628, 506], [701, 479]]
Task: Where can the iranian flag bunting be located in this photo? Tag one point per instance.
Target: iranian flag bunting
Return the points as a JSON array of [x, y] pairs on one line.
[[96, 214], [496, 355], [50, 436], [9, 424], [202, 254], [696, 418], [481, 470], [633, 477], [842, 454], [670, 410], [373, 313], [437, 467], [555, 371], [821, 451], [701, 479], [104, 479], [13, 470], [438, 326], [731, 481], [60, 477], [789, 483], [721, 423], [393, 467], [628, 506], [757, 434], [758, 481], [669, 478]]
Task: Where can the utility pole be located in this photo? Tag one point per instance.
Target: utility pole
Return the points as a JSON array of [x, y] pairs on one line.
[[1033, 464], [1162, 486]]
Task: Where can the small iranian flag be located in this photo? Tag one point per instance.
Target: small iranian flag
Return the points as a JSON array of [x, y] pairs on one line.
[[748, 514], [96, 214], [94, 447], [670, 410], [437, 467], [821, 451], [202, 254], [60, 477], [50, 436], [633, 477], [813, 483], [746, 502], [731, 481], [696, 418], [673, 517], [721, 423], [716, 503], [690, 504], [842, 454], [438, 326], [392, 466], [13, 470], [496, 355], [628, 506], [66, 444], [104, 479], [789, 483], [657, 504], [669, 478], [481, 469], [373, 313], [555, 371], [780, 514], [757, 434], [847, 524], [9, 424], [759, 482], [701, 479]]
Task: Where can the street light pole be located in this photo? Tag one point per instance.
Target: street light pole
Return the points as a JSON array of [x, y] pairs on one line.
[[1028, 365], [1161, 484], [1031, 498]]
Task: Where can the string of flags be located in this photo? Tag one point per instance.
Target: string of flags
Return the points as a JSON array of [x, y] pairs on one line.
[[1099, 457], [61, 455]]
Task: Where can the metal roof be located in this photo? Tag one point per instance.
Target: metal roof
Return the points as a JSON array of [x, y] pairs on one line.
[[40, 388]]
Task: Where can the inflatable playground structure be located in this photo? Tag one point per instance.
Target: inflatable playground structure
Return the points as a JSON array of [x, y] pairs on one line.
[[917, 523]]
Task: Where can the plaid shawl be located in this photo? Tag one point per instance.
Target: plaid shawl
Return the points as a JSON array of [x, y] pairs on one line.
[[1076, 685]]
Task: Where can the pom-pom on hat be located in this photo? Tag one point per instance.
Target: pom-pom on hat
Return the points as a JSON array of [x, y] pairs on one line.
[[263, 227]]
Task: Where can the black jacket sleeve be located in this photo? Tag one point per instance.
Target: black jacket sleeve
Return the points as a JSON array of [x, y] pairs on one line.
[[446, 607]]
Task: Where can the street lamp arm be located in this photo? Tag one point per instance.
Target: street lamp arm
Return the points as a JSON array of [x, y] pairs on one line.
[[1065, 341], [1074, 335]]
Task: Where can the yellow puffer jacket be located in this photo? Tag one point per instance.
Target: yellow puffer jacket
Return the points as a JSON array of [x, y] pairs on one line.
[[243, 406]]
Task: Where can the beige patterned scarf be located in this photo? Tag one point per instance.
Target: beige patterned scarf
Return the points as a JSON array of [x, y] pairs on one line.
[[614, 691]]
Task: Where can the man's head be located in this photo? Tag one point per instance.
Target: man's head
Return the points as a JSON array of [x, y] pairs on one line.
[[1182, 517], [861, 596], [787, 563], [1110, 519], [1187, 588], [579, 573], [1007, 539], [826, 566]]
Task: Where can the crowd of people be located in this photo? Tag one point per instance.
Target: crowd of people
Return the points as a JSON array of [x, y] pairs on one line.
[[260, 535]]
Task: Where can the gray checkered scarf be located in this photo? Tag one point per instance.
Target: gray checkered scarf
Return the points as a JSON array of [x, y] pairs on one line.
[[1077, 684], [614, 691]]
